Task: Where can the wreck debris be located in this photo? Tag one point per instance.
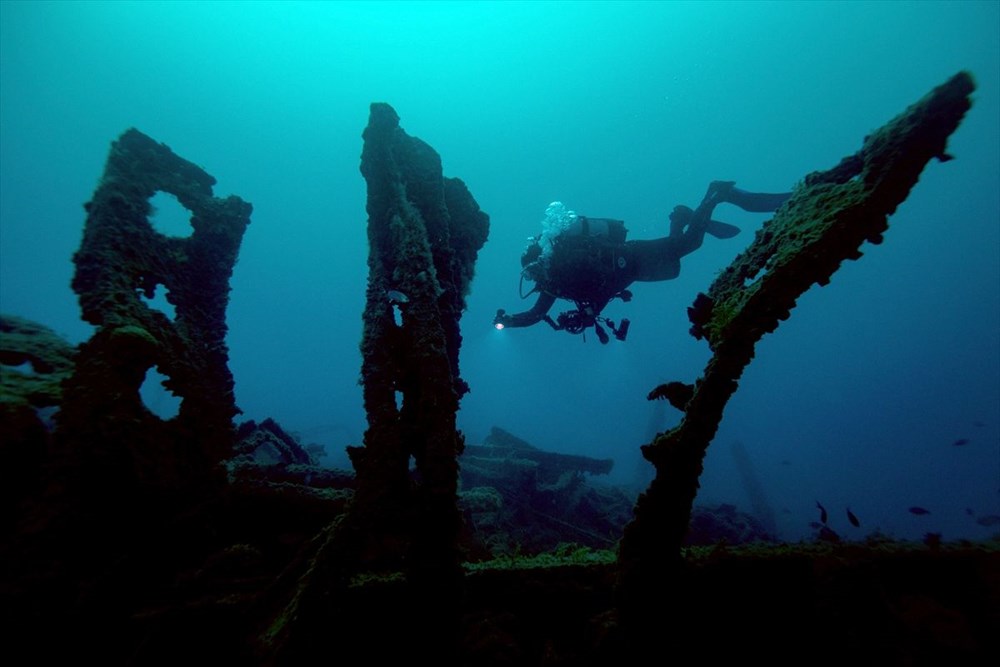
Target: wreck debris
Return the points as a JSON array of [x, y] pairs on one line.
[[120, 484], [829, 216], [34, 361], [517, 498], [114, 439], [265, 454], [479, 462], [424, 234]]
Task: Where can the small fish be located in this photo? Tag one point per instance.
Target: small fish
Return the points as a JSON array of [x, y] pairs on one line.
[[853, 519], [919, 511], [960, 442], [396, 297], [988, 520], [822, 512]]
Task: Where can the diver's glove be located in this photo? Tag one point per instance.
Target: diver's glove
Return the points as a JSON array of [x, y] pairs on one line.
[[502, 319]]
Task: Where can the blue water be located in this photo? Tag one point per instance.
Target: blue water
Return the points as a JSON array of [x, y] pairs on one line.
[[619, 110]]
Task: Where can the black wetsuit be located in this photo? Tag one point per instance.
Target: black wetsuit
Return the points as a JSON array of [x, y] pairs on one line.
[[591, 270]]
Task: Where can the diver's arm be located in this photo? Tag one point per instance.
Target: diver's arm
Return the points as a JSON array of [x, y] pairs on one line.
[[527, 318]]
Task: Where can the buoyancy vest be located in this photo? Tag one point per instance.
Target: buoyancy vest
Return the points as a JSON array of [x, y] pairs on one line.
[[584, 259]]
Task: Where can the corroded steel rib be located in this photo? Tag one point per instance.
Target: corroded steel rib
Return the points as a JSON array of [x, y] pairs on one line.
[[829, 216]]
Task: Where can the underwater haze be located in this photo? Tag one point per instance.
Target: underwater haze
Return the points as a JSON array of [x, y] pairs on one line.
[[880, 393]]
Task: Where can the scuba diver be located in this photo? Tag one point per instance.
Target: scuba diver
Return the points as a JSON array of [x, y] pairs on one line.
[[589, 262]]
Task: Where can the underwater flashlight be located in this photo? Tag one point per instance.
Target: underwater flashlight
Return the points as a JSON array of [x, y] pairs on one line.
[[498, 325]]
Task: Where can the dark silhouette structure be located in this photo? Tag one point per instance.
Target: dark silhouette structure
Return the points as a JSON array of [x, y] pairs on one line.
[[424, 233], [824, 223]]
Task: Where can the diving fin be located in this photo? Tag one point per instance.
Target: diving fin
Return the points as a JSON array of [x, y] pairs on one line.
[[722, 230], [756, 202]]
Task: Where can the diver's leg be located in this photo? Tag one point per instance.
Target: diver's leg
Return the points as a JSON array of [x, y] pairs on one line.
[[695, 223], [650, 261], [700, 220], [680, 218], [756, 202], [688, 228]]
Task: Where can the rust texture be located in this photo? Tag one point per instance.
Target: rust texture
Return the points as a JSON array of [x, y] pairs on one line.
[[829, 216], [104, 429], [424, 234]]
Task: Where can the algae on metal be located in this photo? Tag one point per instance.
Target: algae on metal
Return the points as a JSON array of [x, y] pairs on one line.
[[829, 216], [34, 360], [424, 234], [117, 479], [122, 260]]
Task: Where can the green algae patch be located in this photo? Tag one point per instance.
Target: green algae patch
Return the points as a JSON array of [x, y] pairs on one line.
[[34, 361], [133, 336], [826, 221], [568, 554], [365, 579]]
